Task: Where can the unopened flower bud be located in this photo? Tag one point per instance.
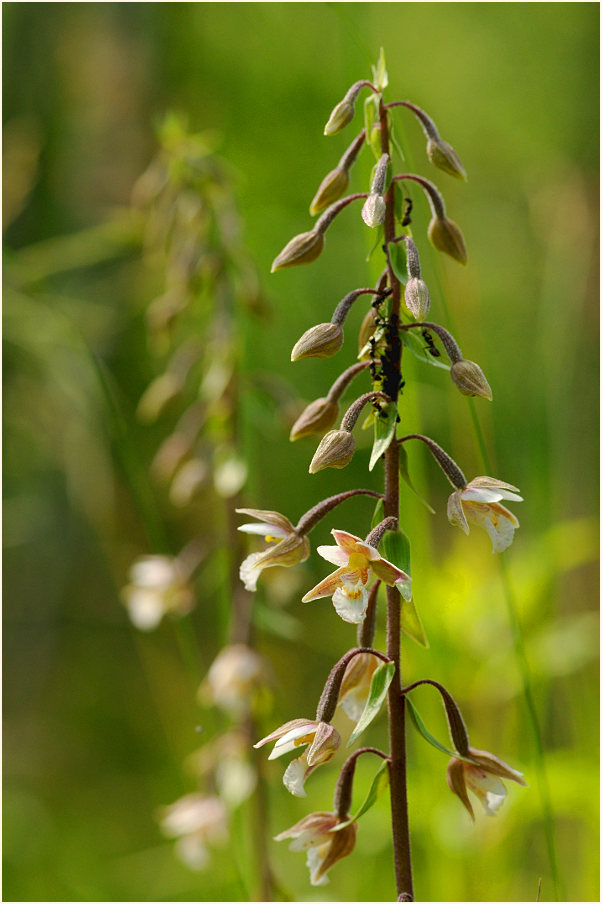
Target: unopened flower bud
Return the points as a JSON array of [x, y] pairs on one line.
[[340, 117], [331, 188], [446, 237], [335, 451], [367, 328], [321, 341], [442, 155], [374, 210], [302, 249], [417, 298], [470, 379], [317, 418]]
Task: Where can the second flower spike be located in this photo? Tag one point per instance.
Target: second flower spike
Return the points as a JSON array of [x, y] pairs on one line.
[[348, 585]]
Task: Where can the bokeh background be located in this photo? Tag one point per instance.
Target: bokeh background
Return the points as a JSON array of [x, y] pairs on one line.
[[99, 717]]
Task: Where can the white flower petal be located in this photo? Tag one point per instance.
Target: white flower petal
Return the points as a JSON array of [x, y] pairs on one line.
[[287, 742], [334, 554], [315, 856], [481, 494], [294, 777], [351, 609], [250, 571], [153, 572], [145, 607], [264, 530]]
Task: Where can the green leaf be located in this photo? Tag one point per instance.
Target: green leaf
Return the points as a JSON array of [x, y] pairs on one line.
[[371, 124], [379, 686], [397, 253], [379, 514], [405, 475], [378, 242], [411, 624], [395, 547], [379, 783], [379, 72], [422, 729], [416, 345], [384, 431]]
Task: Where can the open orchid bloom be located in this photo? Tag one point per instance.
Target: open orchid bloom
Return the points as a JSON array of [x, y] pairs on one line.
[[323, 741], [479, 502], [348, 585], [355, 687], [483, 778], [314, 834], [289, 548], [195, 820]]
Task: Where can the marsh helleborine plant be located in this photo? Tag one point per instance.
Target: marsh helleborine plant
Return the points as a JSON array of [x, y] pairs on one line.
[[398, 306]]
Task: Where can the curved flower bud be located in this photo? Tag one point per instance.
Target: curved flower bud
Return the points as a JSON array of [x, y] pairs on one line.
[[374, 210], [302, 249], [483, 778], [331, 188], [446, 237], [470, 379], [442, 155], [479, 503], [341, 116], [335, 451], [323, 742], [320, 341], [290, 548], [358, 562], [417, 298], [317, 418], [315, 834]]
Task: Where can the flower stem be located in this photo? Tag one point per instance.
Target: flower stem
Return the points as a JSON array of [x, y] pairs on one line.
[[396, 702]]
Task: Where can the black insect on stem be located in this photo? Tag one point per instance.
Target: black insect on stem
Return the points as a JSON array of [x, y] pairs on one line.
[[430, 344], [407, 213]]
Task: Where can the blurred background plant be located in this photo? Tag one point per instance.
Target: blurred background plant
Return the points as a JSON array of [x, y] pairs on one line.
[[97, 383]]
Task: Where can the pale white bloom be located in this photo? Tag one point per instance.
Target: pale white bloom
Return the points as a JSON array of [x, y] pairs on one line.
[[234, 677], [289, 547], [479, 503], [315, 834], [323, 741], [157, 586], [194, 820], [483, 778]]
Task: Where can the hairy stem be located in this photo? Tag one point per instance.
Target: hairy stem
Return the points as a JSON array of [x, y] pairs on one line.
[[396, 702]]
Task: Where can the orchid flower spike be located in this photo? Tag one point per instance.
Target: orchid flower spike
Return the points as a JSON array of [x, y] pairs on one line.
[[323, 740], [483, 778], [317, 835], [348, 585], [290, 547], [479, 502]]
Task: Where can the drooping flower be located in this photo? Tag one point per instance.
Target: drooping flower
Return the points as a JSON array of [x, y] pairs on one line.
[[479, 502], [355, 687], [483, 778], [195, 820], [316, 834], [348, 585], [234, 678], [157, 586], [323, 741], [290, 548]]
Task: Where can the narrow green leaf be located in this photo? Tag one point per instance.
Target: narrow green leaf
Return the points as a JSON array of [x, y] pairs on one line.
[[417, 346], [405, 475], [379, 783], [378, 242], [379, 72], [422, 729], [379, 686], [395, 547], [398, 256], [411, 624], [384, 431]]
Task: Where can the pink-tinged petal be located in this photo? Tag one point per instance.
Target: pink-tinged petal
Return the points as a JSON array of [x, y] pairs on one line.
[[308, 831], [347, 541], [326, 587], [457, 783], [351, 609], [493, 484], [481, 494], [455, 512], [333, 554], [294, 777], [284, 729], [388, 572], [267, 517], [488, 788], [492, 764], [324, 745]]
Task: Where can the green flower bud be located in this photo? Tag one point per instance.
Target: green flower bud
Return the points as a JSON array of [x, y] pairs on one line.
[[302, 249], [470, 379], [317, 418], [331, 188], [320, 341], [340, 117], [446, 237], [335, 451], [417, 298], [374, 210], [442, 155]]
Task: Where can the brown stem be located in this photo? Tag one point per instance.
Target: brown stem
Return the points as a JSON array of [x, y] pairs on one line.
[[309, 520], [396, 702], [344, 787], [341, 383]]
